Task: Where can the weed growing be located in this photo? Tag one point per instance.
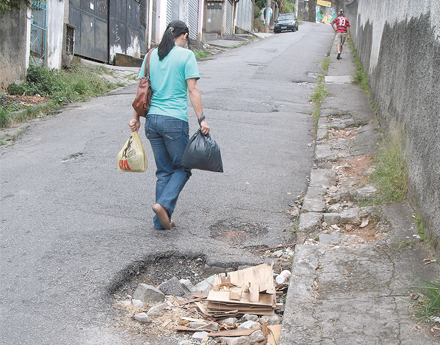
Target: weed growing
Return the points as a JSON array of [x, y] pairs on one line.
[[420, 228], [360, 77], [428, 304], [78, 83], [391, 173], [320, 93], [201, 54]]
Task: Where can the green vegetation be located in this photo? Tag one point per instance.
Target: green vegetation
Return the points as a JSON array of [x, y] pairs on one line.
[[78, 83], [428, 304], [360, 77], [320, 93], [285, 6], [420, 228], [201, 54], [370, 202], [391, 174], [7, 5]]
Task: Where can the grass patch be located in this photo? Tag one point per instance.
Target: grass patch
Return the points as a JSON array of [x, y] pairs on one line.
[[376, 201], [201, 54], [420, 228], [428, 304], [77, 83], [360, 77], [391, 173], [320, 92]]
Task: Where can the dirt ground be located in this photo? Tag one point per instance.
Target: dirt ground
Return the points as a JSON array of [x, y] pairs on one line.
[[21, 101]]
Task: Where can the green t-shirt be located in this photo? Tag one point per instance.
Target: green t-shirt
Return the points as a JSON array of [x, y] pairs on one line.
[[168, 81]]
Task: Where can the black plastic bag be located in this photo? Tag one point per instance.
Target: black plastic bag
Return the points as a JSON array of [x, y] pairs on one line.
[[203, 153]]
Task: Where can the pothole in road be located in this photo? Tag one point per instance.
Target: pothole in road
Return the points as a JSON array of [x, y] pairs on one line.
[[156, 269], [235, 231], [152, 270]]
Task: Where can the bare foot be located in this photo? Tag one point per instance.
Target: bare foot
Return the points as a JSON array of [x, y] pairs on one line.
[[162, 215]]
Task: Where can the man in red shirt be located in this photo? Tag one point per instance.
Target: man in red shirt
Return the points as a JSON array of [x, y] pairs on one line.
[[342, 29]]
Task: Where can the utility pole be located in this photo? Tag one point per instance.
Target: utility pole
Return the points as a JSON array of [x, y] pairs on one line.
[[296, 8], [267, 17]]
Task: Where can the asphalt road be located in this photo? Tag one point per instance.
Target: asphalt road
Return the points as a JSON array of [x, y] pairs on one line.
[[73, 227]]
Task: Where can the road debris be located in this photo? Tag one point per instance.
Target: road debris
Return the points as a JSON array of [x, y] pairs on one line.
[[242, 306]]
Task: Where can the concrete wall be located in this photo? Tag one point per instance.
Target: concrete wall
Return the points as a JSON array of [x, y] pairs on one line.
[[214, 17], [13, 46], [399, 45], [54, 33]]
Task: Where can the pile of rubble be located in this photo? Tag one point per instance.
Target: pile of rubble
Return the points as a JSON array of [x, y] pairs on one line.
[[243, 307], [333, 211]]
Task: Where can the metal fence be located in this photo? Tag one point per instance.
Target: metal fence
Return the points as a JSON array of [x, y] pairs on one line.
[[38, 33]]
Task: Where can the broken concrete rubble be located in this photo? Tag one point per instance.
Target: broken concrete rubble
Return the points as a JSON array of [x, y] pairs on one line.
[[210, 324], [142, 317], [174, 287], [148, 293]]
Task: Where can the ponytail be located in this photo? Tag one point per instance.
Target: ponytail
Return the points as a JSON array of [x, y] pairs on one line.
[[174, 29]]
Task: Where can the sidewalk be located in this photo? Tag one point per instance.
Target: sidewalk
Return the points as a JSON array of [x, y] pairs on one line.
[[352, 272]]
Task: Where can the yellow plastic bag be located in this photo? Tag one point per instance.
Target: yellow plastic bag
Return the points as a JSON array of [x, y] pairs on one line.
[[132, 157]]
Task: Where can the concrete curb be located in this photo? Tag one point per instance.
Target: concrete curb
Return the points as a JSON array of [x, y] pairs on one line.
[[350, 281]]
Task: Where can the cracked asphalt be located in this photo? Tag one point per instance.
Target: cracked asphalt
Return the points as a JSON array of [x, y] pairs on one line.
[[73, 227]]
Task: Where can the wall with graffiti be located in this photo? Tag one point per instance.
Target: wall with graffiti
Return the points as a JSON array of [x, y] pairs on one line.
[[325, 14]]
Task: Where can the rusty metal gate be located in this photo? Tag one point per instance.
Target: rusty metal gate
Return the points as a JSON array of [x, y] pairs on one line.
[[107, 27], [91, 35], [38, 33], [127, 27]]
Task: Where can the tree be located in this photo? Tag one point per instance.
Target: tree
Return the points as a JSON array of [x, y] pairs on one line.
[[8, 5], [312, 11], [286, 6]]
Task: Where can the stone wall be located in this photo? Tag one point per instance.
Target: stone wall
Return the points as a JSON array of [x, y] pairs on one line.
[[399, 45], [13, 46]]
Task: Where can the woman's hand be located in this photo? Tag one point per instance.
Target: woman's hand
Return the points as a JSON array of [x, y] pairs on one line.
[[204, 127], [134, 122]]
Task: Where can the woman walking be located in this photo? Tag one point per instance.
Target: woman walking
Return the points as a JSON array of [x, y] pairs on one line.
[[173, 75]]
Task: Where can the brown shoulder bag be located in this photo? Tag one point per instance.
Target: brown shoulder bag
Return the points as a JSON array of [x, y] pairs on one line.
[[142, 101]]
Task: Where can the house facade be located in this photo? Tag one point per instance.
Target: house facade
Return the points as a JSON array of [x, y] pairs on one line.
[[100, 29]]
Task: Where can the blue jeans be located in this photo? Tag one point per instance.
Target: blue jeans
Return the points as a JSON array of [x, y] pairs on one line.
[[168, 137]]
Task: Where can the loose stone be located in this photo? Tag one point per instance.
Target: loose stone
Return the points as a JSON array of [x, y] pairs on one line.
[[137, 303], [249, 325], [148, 293], [142, 317], [200, 335], [157, 310], [257, 337]]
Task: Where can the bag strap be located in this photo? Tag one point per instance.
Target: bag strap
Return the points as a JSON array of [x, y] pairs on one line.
[[147, 64], [202, 117]]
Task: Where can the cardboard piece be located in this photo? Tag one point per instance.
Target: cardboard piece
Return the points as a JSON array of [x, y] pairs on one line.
[[274, 334], [232, 333], [188, 329], [251, 290], [261, 275]]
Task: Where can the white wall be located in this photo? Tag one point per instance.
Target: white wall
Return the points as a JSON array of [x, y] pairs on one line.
[[54, 33]]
